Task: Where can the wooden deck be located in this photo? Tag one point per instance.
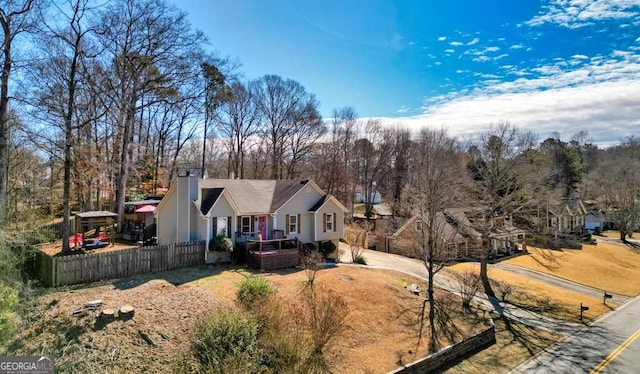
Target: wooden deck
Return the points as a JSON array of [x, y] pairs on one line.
[[272, 254]]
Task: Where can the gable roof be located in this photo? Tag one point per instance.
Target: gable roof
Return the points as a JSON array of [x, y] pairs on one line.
[[251, 196], [284, 190], [209, 197], [323, 200], [445, 230]]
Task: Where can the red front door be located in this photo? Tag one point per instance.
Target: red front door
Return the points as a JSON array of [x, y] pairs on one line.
[[262, 226]]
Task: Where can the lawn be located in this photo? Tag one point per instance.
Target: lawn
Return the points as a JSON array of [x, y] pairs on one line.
[[380, 330], [607, 266], [543, 298], [515, 342]]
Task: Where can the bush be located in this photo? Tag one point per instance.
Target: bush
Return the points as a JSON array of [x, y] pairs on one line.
[[254, 291], [361, 260], [309, 248], [221, 244], [226, 342], [328, 248]]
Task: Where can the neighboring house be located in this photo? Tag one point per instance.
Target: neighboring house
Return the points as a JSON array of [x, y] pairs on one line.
[[460, 230], [404, 237], [376, 198], [264, 211], [562, 216], [504, 236], [566, 215], [594, 221]]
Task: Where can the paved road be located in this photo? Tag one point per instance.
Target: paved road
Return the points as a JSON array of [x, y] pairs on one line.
[[445, 279], [614, 338], [561, 283]]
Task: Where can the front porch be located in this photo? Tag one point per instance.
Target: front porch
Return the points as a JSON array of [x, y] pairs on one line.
[[271, 254]]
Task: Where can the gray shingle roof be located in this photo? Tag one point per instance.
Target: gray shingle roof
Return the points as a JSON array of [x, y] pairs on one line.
[[254, 196]]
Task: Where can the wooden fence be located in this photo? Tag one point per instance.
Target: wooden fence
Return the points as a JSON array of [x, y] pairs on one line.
[[90, 267], [444, 358]]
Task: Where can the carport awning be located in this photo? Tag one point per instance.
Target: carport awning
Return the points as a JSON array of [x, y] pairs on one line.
[[146, 209]]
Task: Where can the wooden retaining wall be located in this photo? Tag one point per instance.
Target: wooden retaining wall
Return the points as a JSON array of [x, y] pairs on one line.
[[442, 359], [90, 267]]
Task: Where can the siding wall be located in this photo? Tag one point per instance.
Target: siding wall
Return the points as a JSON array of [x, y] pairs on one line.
[[300, 204], [166, 224]]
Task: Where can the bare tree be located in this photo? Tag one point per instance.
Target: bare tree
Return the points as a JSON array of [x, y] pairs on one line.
[[239, 123], [335, 157], [281, 103], [493, 165], [61, 80], [150, 50], [14, 19], [468, 286], [617, 180], [358, 240], [372, 156], [436, 183]]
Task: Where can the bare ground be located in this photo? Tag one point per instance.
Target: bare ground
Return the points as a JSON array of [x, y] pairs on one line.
[[381, 328]]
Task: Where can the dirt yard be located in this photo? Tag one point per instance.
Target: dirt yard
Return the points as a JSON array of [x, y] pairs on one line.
[[607, 266], [54, 248], [381, 327]]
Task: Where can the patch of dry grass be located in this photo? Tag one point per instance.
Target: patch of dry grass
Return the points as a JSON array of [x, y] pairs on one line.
[[543, 298], [607, 266], [514, 344], [380, 329]]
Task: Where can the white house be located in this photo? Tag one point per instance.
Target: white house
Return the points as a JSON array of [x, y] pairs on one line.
[[197, 208]]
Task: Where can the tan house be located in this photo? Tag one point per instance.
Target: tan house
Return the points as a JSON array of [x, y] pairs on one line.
[[407, 239], [566, 216], [265, 213]]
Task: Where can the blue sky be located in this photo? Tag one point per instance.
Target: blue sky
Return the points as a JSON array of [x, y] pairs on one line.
[[545, 66]]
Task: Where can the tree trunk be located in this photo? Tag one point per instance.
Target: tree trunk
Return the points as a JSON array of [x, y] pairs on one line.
[[4, 117]]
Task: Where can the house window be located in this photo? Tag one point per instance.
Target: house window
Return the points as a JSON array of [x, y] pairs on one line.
[[293, 224], [419, 226], [221, 226], [246, 224], [329, 222]]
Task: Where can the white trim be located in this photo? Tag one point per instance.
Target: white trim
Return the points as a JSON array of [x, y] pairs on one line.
[[230, 200]]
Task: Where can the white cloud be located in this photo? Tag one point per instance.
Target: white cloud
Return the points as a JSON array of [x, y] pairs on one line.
[[456, 44], [608, 111], [482, 59], [476, 40], [402, 109], [492, 49], [638, 39], [449, 50], [601, 96], [442, 38], [580, 57], [516, 46], [580, 13]]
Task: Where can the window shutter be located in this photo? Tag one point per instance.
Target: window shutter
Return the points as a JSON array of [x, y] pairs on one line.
[[228, 227], [215, 227], [239, 226], [334, 222], [324, 222], [299, 225], [286, 227]]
